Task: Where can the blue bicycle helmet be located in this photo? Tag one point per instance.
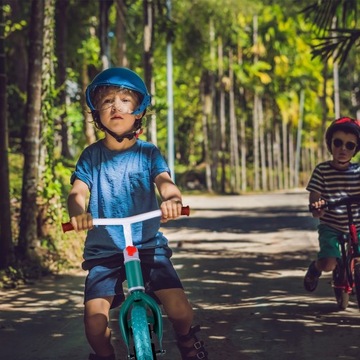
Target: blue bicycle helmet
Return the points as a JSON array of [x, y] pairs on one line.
[[123, 78]]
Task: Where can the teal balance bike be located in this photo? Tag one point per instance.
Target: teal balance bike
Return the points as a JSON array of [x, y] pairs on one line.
[[140, 318]]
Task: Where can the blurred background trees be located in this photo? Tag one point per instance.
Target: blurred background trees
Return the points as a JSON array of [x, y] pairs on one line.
[[255, 83]]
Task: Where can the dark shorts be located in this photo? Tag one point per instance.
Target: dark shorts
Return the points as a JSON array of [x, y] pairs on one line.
[[106, 276]]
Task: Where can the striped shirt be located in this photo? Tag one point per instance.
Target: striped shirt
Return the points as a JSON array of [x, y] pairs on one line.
[[333, 184]]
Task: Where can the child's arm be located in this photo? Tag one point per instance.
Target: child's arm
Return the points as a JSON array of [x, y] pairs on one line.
[[316, 202], [79, 218], [170, 195]]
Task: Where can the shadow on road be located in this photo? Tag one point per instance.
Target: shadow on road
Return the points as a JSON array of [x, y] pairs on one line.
[[257, 220], [254, 305], [43, 320], [245, 286]]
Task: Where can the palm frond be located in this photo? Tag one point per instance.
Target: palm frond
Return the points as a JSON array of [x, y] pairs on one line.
[[342, 39], [324, 11], [337, 45]]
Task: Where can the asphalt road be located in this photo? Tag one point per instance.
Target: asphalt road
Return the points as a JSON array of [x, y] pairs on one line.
[[242, 260]]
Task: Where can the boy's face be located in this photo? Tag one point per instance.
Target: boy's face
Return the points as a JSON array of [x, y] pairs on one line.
[[115, 108], [343, 147]]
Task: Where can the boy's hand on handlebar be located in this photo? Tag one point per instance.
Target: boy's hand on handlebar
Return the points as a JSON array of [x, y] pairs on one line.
[[82, 222], [317, 208], [171, 209]]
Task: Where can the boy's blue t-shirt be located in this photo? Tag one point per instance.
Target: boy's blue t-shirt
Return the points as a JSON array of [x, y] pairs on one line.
[[121, 184]]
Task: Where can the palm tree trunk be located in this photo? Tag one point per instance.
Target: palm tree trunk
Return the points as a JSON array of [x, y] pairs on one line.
[[234, 144], [256, 114], [285, 168], [61, 39], [6, 245], [90, 135], [149, 14], [298, 140], [121, 32], [206, 100], [262, 144], [277, 158], [29, 209], [222, 116], [103, 32], [270, 160], [256, 142]]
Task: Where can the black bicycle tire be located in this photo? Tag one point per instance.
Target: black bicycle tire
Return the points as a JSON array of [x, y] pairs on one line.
[[341, 296], [357, 282], [141, 333]]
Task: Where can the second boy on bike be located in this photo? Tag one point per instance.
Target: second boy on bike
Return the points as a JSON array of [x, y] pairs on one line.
[[329, 181]]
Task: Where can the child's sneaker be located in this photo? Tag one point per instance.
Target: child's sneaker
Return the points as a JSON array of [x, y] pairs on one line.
[[311, 278]]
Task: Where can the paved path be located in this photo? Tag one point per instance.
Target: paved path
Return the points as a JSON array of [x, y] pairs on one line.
[[242, 260]]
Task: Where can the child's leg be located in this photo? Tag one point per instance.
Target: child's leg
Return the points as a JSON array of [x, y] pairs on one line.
[[327, 255], [315, 269], [326, 264], [180, 314], [329, 248], [96, 319], [177, 309]]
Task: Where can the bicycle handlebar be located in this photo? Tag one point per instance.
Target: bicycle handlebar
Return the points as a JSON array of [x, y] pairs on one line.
[[347, 200], [185, 210]]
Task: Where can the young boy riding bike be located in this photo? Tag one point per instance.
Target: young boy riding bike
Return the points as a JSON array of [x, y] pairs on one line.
[[329, 181], [120, 173]]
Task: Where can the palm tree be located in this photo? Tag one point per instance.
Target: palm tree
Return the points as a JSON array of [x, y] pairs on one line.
[[336, 39], [31, 144], [6, 245]]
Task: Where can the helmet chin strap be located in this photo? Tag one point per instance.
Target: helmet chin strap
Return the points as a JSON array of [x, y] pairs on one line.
[[120, 138]]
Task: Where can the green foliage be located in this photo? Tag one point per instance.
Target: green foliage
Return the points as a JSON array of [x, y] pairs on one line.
[[63, 173], [12, 25], [11, 278], [75, 122], [16, 162], [16, 109], [90, 48], [278, 69], [59, 251]]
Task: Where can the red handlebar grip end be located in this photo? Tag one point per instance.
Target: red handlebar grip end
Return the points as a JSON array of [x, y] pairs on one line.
[[67, 226], [185, 210]]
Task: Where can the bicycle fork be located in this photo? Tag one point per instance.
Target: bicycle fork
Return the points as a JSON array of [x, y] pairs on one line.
[[138, 297], [346, 264], [345, 280]]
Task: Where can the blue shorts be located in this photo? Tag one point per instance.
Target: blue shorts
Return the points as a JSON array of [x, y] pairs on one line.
[[329, 242], [106, 276]]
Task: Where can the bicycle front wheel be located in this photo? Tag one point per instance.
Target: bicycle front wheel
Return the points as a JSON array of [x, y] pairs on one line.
[[357, 282], [141, 333], [341, 295]]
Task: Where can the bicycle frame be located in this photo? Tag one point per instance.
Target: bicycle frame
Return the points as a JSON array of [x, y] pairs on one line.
[[137, 304], [136, 288], [350, 252], [349, 248]]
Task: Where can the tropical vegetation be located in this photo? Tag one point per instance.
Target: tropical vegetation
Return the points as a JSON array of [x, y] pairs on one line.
[[251, 85]]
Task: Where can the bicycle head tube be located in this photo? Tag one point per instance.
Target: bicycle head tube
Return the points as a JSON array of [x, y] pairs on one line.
[[133, 269]]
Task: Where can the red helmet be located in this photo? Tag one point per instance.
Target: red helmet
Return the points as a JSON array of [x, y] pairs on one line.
[[345, 124]]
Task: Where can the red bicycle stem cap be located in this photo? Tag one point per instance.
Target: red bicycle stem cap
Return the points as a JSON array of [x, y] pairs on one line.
[[131, 250]]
